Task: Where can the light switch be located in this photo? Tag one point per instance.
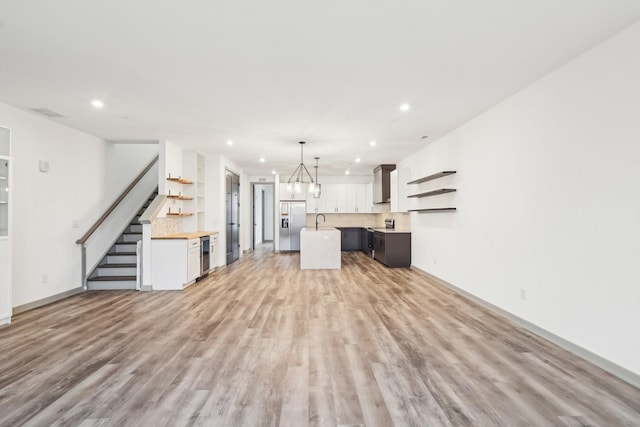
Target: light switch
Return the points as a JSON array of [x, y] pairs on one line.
[[44, 166]]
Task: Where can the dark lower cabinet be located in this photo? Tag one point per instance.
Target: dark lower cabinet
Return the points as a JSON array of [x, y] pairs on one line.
[[366, 240], [350, 238], [392, 249]]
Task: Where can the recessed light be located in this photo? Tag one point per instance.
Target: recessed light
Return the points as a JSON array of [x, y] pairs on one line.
[[357, 159], [346, 172], [229, 142], [372, 143], [273, 172], [405, 107], [97, 103], [262, 160]]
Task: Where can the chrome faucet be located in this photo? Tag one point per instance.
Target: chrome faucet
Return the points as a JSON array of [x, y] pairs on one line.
[[323, 220]]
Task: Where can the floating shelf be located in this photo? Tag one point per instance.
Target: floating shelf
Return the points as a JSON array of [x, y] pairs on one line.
[[179, 197], [180, 180], [179, 214], [434, 192], [431, 177], [433, 210]]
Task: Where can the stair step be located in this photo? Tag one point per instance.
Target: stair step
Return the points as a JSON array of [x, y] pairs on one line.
[[128, 247], [121, 258], [130, 237], [116, 270], [118, 265], [111, 282]]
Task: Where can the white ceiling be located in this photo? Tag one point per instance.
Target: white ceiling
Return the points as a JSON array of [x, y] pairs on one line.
[[267, 74]]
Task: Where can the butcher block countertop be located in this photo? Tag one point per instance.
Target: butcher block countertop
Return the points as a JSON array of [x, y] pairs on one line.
[[194, 235]]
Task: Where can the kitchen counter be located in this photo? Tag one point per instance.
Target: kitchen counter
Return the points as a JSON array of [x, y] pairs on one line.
[[388, 230], [194, 235]]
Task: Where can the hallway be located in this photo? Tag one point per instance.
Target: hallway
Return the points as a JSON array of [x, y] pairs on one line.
[[261, 342]]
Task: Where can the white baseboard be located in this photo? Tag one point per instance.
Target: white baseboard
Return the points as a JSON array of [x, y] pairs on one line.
[[623, 373], [53, 298], [5, 319]]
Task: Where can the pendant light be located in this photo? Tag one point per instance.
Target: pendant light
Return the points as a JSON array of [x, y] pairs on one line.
[[297, 178], [317, 188]]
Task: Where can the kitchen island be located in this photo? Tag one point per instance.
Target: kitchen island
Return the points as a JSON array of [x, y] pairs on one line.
[[320, 249]]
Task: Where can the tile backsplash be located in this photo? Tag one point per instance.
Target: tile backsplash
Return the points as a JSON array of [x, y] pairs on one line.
[[403, 220], [166, 225]]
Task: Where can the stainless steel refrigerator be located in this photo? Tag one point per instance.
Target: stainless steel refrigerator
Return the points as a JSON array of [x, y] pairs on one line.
[[293, 216]]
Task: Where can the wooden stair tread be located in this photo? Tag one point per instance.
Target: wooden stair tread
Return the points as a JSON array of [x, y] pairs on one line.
[[111, 278], [121, 253], [120, 265]]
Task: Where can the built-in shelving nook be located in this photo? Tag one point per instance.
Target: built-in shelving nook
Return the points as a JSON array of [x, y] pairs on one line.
[[430, 193], [173, 196]]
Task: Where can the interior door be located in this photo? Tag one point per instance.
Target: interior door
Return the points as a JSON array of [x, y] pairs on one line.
[[233, 217]]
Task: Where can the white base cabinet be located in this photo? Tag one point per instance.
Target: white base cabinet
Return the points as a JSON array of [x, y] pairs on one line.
[[175, 263]]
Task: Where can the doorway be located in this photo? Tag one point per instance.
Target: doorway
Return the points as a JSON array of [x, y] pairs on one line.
[[233, 216], [262, 216]]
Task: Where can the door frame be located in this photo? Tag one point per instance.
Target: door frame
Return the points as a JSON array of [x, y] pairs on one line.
[[253, 227]]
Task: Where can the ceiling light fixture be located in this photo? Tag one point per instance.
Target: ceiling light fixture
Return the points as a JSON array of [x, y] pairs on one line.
[[372, 143], [297, 178], [347, 172], [229, 142], [262, 159], [97, 103], [357, 159], [273, 172], [405, 107]]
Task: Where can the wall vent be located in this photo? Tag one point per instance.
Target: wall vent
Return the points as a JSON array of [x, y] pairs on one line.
[[47, 112]]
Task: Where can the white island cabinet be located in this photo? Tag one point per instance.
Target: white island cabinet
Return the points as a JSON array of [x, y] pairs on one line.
[[320, 249]]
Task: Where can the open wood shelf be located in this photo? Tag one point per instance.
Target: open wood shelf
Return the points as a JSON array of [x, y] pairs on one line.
[[180, 180], [433, 210], [179, 197], [179, 214], [433, 192], [431, 177]]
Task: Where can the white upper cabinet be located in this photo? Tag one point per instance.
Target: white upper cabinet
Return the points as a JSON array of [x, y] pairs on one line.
[[329, 199], [343, 198]]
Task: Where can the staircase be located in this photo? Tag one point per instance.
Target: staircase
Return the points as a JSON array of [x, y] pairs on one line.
[[117, 270]]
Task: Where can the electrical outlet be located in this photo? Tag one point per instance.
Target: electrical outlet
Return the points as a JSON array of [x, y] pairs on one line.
[[45, 278], [435, 261], [74, 223], [523, 294]]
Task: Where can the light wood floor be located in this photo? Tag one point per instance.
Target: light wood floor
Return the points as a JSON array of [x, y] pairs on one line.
[[262, 343]]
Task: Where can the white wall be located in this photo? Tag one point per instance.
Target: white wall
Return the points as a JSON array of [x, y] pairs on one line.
[[548, 203], [46, 258], [125, 161], [264, 215], [170, 165]]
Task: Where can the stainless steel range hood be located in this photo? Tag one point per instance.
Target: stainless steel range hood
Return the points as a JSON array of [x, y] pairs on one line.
[[382, 183]]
